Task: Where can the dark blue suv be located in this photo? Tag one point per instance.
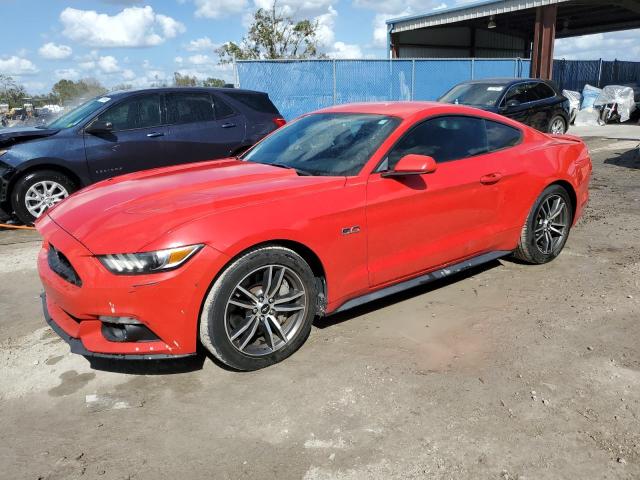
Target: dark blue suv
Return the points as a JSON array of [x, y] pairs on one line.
[[123, 132]]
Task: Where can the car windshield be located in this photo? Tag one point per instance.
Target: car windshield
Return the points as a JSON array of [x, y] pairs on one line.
[[75, 116], [325, 144], [480, 94]]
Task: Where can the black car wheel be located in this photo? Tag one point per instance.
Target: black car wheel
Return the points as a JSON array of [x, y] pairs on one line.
[[557, 125], [37, 191], [546, 229], [260, 309]]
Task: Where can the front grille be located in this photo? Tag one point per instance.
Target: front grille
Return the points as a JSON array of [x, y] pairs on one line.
[[62, 266]]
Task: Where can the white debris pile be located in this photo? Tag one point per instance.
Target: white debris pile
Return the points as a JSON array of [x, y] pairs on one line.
[[599, 106]]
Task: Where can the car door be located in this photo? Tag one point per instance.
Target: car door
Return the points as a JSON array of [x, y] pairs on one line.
[[516, 103], [542, 106], [420, 222], [202, 126], [136, 141]]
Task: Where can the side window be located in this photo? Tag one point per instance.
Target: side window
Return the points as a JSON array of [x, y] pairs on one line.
[[221, 108], [444, 139], [501, 136], [189, 107], [518, 93], [542, 91], [138, 112]]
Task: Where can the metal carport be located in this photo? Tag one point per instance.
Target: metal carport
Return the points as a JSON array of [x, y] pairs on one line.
[[507, 28]]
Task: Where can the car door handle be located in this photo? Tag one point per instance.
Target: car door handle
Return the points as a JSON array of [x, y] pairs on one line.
[[228, 125], [155, 134], [491, 178]]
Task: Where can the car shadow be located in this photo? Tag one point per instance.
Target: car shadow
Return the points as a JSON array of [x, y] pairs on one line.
[[628, 159], [335, 319], [194, 363]]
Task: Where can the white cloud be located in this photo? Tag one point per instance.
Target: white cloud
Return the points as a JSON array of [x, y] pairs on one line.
[[219, 8], [201, 45], [88, 65], [178, 59], [132, 27], [345, 50], [67, 73], [52, 51], [326, 24], [108, 64], [388, 9], [15, 65], [622, 45], [128, 74], [199, 59]]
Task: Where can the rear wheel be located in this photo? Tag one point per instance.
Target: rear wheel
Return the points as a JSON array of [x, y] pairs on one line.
[[37, 191], [546, 229], [260, 309], [557, 125]]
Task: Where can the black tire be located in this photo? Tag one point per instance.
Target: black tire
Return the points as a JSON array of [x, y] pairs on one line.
[[528, 249], [24, 183], [213, 331], [554, 119]]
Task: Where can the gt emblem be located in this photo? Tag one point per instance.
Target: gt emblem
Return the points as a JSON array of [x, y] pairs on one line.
[[350, 230]]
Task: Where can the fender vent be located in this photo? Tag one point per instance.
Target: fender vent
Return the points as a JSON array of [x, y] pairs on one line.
[[62, 266]]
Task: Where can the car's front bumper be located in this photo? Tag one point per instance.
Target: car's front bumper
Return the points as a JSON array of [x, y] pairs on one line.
[[7, 173], [166, 304]]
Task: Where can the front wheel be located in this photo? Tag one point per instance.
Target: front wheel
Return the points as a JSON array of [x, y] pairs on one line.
[[260, 309], [546, 229], [37, 191]]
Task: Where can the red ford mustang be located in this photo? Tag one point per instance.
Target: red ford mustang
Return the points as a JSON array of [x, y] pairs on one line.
[[341, 206]]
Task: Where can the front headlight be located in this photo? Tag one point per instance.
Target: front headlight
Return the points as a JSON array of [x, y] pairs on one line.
[[148, 262]]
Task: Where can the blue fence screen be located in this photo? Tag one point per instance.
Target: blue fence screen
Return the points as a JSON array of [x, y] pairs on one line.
[[300, 86], [574, 74]]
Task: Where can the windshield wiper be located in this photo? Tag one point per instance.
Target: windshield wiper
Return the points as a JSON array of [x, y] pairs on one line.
[[299, 171]]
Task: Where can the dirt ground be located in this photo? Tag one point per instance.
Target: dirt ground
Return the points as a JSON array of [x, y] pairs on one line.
[[507, 372]]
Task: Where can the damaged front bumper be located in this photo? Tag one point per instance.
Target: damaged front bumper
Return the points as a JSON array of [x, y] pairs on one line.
[[121, 316]]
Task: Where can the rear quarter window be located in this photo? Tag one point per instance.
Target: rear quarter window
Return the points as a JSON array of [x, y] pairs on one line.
[[501, 136], [256, 101]]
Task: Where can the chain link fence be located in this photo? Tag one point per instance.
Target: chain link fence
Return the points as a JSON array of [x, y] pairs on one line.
[[300, 86]]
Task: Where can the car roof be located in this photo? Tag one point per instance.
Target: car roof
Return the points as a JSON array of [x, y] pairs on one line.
[[502, 81], [400, 109], [119, 93]]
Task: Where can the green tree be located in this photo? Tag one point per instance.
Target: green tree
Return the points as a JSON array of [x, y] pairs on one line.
[[213, 82], [274, 35], [11, 92], [180, 80], [68, 91]]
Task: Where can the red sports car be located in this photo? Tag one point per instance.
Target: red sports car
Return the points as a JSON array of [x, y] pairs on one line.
[[341, 206]]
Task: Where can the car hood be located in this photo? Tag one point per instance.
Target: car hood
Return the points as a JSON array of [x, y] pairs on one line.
[[124, 214], [10, 136]]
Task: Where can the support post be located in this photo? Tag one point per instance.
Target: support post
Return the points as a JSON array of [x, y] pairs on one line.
[[599, 74], [413, 78], [395, 49], [335, 83], [544, 36]]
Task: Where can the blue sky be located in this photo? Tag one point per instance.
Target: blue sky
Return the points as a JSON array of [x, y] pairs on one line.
[[137, 41]]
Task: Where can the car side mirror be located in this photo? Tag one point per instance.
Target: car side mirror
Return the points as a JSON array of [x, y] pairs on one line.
[[412, 164], [99, 127]]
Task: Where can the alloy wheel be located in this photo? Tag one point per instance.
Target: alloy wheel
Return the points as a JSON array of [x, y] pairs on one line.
[[557, 127], [43, 195], [552, 224], [265, 310]]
